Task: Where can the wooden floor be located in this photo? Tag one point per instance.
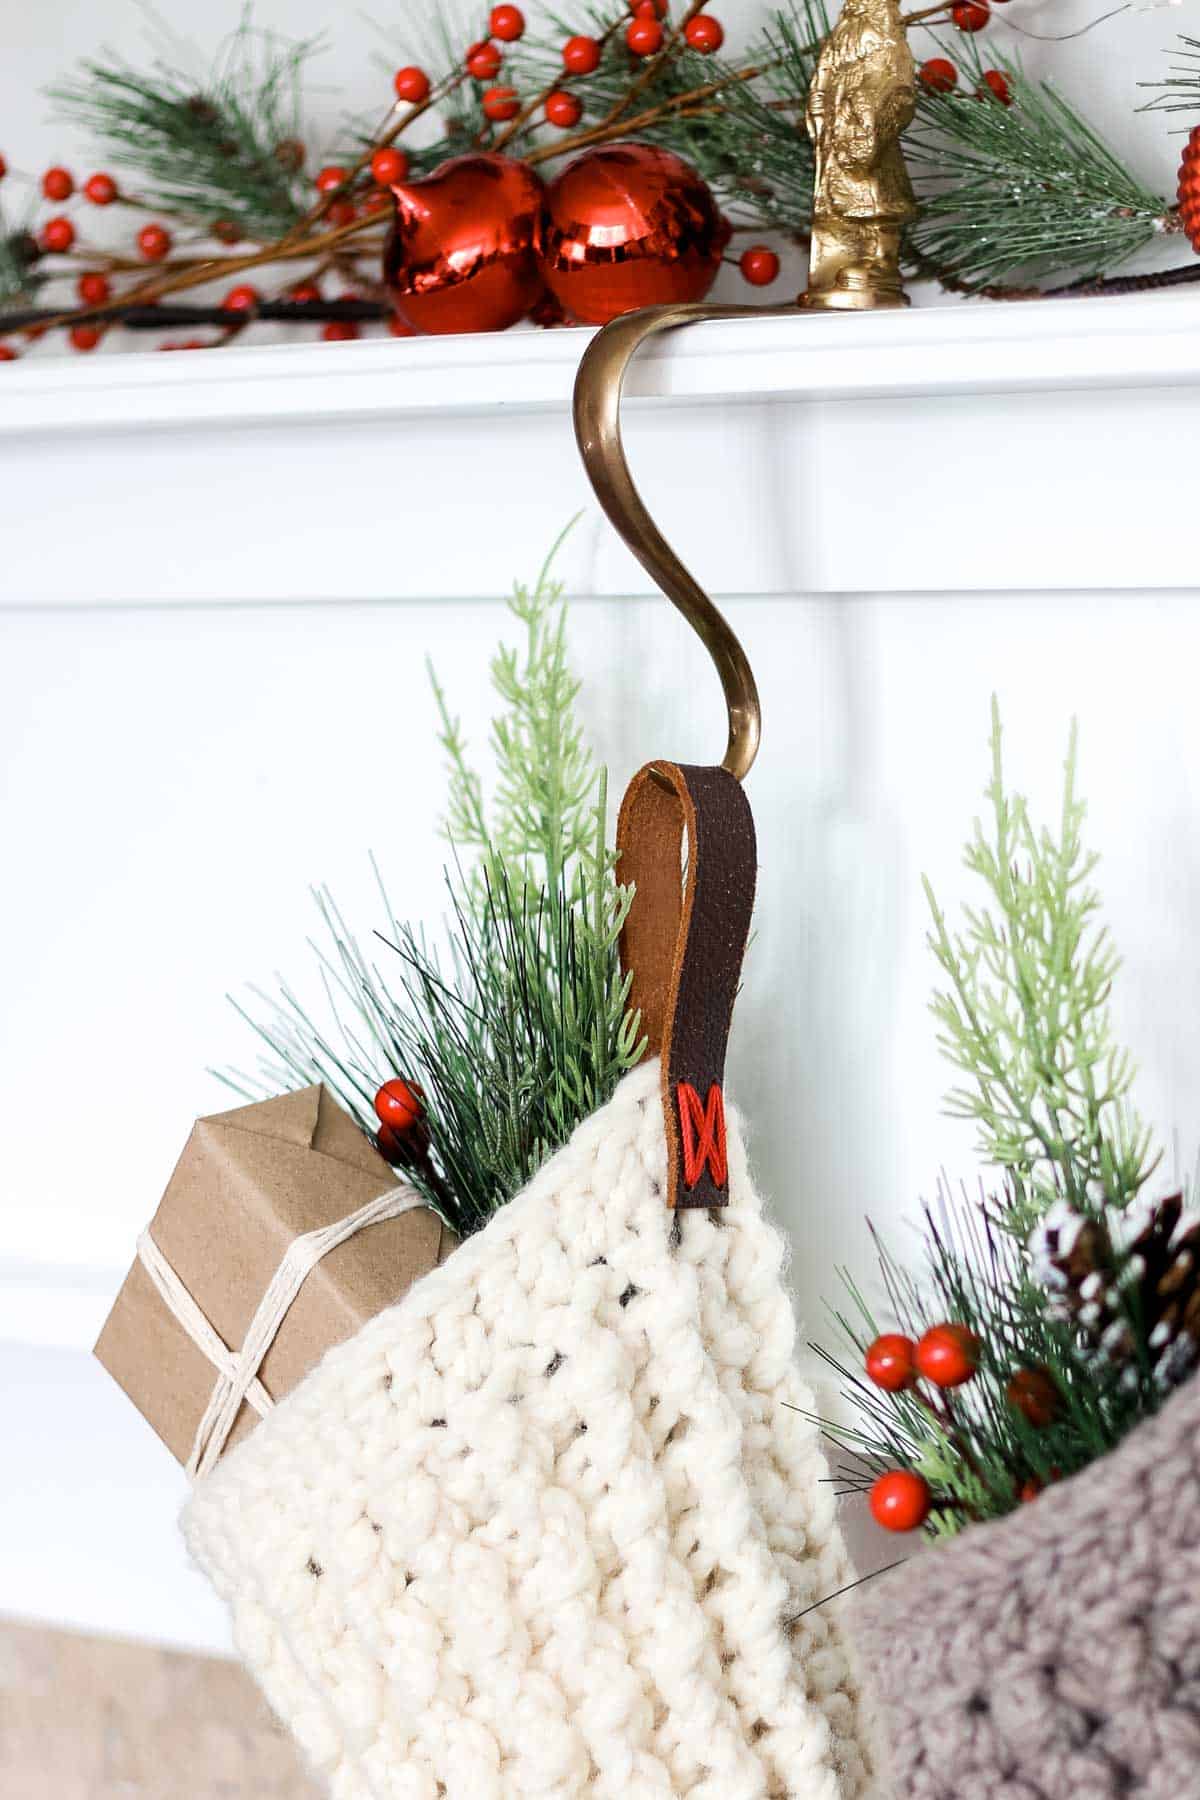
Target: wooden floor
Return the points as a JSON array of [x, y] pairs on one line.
[[86, 1718]]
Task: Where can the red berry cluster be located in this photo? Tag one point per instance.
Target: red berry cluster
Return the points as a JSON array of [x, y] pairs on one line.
[[946, 1357], [940, 76], [400, 1104]]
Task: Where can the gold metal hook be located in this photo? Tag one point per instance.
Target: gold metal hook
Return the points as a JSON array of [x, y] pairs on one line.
[[598, 433]]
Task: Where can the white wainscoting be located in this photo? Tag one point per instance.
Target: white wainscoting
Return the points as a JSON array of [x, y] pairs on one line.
[[221, 578]]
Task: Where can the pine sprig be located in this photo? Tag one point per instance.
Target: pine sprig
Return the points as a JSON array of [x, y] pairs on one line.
[[1179, 91], [1025, 1017], [224, 151], [1023, 189]]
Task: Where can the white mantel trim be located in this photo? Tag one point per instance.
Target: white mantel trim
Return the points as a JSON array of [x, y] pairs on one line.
[[1143, 340]]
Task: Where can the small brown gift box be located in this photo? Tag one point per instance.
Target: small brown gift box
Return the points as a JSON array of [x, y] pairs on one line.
[[248, 1184]]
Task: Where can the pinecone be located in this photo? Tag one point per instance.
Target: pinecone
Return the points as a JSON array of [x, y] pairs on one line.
[[1135, 1297]]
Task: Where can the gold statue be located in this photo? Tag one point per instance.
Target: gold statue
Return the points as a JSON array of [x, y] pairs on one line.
[[863, 95]]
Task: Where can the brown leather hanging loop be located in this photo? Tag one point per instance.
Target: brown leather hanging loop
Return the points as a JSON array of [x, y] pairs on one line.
[[684, 941]]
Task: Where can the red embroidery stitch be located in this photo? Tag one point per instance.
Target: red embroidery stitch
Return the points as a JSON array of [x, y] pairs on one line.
[[702, 1130]]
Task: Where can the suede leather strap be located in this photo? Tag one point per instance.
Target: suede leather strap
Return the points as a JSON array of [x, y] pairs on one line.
[[683, 942]]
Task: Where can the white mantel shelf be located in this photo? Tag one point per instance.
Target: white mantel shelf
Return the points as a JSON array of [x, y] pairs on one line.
[[823, 441]]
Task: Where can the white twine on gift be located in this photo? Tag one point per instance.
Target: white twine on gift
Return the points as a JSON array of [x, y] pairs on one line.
[[237, 1382]]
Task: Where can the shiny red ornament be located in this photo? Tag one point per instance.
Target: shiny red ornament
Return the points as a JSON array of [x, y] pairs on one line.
[[93, 288], [154, 241], [563, 109], [948, 1355], [581, 55], [971, 15], [57, 235], [759, 265], [900, 1500], [399, 1104], [628, 225], [411, 85], [389, 165], [483, 61], [58, 184], [461, 252], [100, 189], [340, 331], [85, 337], [889, 1362], [501, 103], [995, 87], [507, 23], [1032, 1393], [644, 37], [330, 178], [704, 33], [242, 298], [8, 354], [1189, 189], [940, 74]]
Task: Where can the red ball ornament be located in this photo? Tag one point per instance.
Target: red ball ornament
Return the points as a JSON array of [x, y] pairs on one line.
[[389, 165], [242, 298], [1032, 1393], [971, 15], [483, 61], [340, 331], [461, 252], [1189, 189], [948, 1355], [399, 1104], [889, 1362], [93, 288], [628, 225], [759, 265], [330, 178], [501, 103], [85, 337], [704, 33], [900, 1500], [154, 241], [940, 74], [57, 235], [411, 85], [100, 189], [58, 184], [644, 37], [563, 109], [507, 23], [994, 86], [581, 55]]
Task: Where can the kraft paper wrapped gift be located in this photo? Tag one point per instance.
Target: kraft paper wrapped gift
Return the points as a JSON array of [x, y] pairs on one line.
[[249, 1183]]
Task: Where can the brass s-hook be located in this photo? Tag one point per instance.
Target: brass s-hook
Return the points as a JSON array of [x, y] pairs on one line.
[[598, 432]]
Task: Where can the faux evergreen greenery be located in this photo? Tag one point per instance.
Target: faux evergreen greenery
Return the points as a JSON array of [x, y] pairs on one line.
[[520, 1029]]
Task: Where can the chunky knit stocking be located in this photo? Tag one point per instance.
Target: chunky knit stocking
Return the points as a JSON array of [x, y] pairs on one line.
[[539, 1528]]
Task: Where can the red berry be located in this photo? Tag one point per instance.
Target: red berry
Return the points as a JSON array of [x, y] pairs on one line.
[[563, 109], [390, 1145], [93, 288], [501, 103], [759, 265], [890, 1362], [331, 177], [900, 1500], [226, 231], [411, 85], [649, 9], [341, 212], [243, 298], [1032, 1393], [339, 331], [939, 74], [3, 173], [389, 165], [85, 337], [483, 61], [397, 327], [995, 86], [948, 1355], [7, 353], [704, 33], [58, 234], [154, 241], [971, 15], [305, 290], [1029, 1490], [400, 1104], [644, 37], [101, 190], [507, 23], [58, 184], [581, 55]]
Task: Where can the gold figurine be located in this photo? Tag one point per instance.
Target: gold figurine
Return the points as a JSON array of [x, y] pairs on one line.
[[863, 95]]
